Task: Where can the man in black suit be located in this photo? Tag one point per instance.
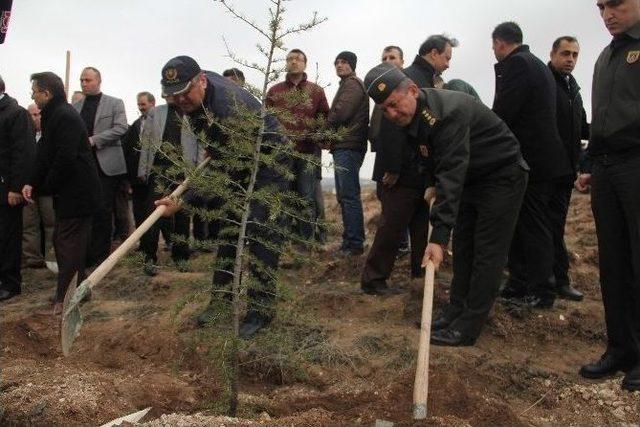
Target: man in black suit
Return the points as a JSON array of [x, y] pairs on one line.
[[573, 128], [17, 148], [65, 168], [525, 99]]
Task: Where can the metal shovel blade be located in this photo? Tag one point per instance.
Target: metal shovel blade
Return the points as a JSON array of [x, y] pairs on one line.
[[132, 418], [71, 316]]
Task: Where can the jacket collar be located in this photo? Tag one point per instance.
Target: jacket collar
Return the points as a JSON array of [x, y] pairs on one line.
[[414, 126], [302, 82], [342, 79], [423, 64], [634, 31], [519, 49], [6, 101], [52, 105], [562, 78]]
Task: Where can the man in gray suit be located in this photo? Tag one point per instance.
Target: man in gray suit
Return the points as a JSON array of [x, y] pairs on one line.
[[106, 123]]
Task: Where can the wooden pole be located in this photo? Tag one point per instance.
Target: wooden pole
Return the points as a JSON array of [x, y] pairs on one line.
[[421, 384], [66, 74]]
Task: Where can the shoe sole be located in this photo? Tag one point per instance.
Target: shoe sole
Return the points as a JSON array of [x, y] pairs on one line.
[[590, 376], [630, 387]]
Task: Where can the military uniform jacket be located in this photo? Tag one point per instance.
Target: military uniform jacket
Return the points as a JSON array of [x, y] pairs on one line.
[[615, 124], [467, 143]]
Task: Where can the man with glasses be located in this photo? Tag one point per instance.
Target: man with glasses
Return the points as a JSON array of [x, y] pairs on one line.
[[299, 115]]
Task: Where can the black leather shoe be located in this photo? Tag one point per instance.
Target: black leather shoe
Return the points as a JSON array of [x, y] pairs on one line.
[[570, 293], [379, 289], [440, 322], [5, 295], [252, 323], [607, 366], [451, 337], [544, 303], [510, 292], [631, 380]]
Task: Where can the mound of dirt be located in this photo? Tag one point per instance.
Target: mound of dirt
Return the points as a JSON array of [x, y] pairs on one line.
[[333, 357]]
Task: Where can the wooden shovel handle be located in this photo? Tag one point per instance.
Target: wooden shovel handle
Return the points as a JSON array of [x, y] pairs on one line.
[[105, 267], [421, 383]]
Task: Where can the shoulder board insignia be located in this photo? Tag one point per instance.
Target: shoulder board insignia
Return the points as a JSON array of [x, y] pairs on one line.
[[633, 56]]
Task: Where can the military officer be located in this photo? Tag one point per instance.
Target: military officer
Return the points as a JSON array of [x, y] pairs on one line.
[[480, 178], [614, 151]]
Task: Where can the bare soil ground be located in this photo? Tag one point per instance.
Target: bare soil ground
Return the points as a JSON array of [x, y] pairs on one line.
[[335, 357]]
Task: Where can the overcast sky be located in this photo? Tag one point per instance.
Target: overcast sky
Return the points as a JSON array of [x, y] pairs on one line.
[[130, 40]]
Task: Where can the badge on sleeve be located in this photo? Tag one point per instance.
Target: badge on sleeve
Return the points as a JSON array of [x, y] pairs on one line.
[[633, 56]]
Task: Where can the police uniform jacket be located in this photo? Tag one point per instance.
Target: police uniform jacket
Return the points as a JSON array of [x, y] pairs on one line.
[[572, 119], [467, 142], [615, 124], [525, 99]]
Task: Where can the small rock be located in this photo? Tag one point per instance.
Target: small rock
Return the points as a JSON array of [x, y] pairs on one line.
[[607, 393], [265, 417], [619, 414], [562, 318], [383, 423]]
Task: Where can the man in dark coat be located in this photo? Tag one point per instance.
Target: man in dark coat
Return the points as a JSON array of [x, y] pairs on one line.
[[66, 169], [573, 128], [480, 178], [17, 150], [525, 99]]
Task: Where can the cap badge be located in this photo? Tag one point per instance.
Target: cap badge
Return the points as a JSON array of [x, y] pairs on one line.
[[171, 74], [633, 56], [382, 86]]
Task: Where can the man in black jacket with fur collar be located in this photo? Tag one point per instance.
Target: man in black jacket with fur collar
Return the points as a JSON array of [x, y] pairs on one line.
[[17, 148]]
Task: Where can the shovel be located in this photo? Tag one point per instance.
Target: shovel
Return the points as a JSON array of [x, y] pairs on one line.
[[71, 316], [421, 384]]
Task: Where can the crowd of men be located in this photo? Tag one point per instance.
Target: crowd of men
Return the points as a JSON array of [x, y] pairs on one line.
[[502, 176]]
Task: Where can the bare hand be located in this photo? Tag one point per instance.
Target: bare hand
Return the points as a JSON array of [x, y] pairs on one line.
[[389, 179], [14, 198], [433, 253], [91, 143], [583, 182], [429, 194], [172, 205], [27, 193]]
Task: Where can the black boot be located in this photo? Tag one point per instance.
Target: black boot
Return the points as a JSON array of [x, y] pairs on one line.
[[451, 337], [569, 292], [378, 288], [631, 381], [608, 365]]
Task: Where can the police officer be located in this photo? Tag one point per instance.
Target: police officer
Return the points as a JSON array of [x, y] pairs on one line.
[[614, 150], [200, 94], [480, 179]]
